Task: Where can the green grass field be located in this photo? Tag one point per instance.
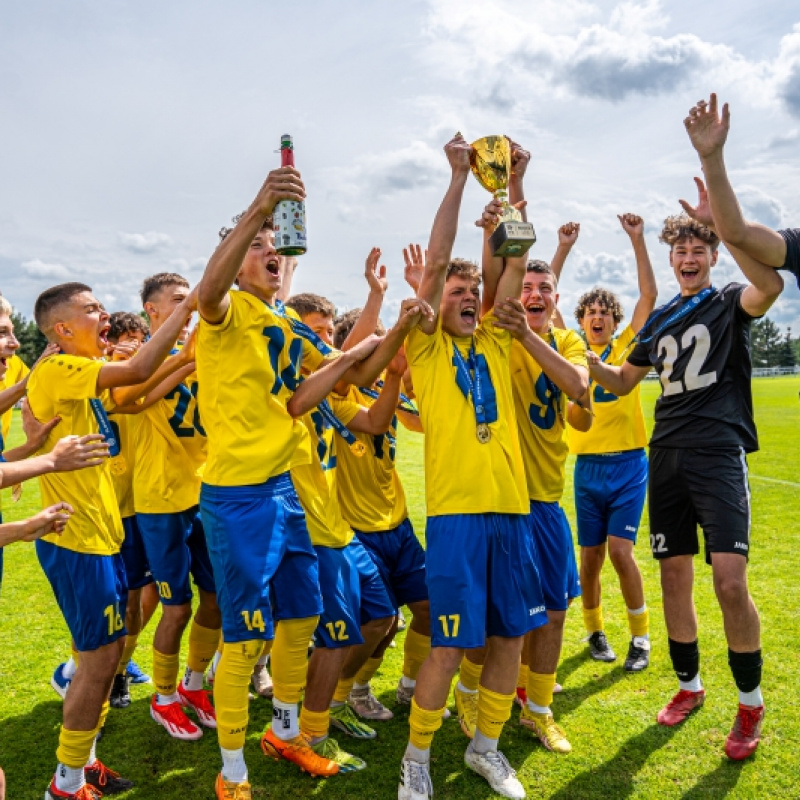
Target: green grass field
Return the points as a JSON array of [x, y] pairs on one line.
[[618, 749]]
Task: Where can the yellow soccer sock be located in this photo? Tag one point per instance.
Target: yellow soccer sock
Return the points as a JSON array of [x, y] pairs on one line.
[[343, 689], [231, 698], [103, 716], [202, 646], [493, 711], [74, 747], [540, 688], [415, 651], [367, 672], [470, 674], [289, 659], [315, 723], [165, 672], [593, 619], [639, 623], [423, 725], [522, 677], [127, 652]]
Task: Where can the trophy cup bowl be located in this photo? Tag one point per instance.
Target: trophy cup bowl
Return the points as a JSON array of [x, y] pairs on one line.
[[490, 161]]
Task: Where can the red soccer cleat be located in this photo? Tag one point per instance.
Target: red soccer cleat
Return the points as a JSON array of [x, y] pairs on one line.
[[680, 707], [745, 734]]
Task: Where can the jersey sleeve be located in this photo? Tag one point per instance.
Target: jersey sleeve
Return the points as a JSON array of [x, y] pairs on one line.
[[640, 355], [344, 408], [419, 345], [71, 377], [792, 238], [574, 349]]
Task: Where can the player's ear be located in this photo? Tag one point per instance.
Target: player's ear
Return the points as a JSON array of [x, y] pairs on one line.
[[62, 330], [714, 257]]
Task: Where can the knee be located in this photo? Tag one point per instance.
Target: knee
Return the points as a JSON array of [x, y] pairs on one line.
[[178, 616], [556, 618], [208, 601], [731, 590], [447, 659], [422, 615], [377, 627], [592, 559], [620, 551]]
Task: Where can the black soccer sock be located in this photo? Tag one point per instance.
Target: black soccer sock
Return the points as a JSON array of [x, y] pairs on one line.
[[746, 669], [685, 659]]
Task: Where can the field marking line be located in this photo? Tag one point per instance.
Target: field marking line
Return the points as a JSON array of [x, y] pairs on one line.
[[774, 480]]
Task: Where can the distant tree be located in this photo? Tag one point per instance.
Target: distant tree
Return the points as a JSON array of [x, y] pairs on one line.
[[31, 340], [787, 356], [765, 342]]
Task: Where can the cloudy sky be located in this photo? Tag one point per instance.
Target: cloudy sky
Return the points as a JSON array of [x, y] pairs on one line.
[[132, 131]]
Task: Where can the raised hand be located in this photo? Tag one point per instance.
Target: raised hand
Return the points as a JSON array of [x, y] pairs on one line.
[[708, 129], [702, 211], [490, 218], [511, 317], [568, 233], [375, 275], [632, 224], [415, 258], [412, 311], [458, 152], [520, 159], [51, 520], [365, 348], [283, 183], [79, 452], [122, 351], [50, 350]]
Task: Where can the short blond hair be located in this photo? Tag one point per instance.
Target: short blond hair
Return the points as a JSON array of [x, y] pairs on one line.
[[5, 307]]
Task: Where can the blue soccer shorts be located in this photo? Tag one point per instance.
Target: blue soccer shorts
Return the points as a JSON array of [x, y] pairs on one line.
[[482, 578], [558, 570], [401, 562], [264, 564], [176, 549], [91, 592], [133, 555], [353, 593], [610, 491]]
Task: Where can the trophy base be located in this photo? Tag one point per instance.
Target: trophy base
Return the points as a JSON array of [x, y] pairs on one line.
[[512, 239]]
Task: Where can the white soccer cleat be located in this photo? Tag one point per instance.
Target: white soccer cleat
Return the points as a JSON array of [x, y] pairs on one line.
[[415, 781], [497, 771]]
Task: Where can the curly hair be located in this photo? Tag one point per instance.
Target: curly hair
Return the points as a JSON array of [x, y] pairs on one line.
[[608, 301], [463, 268], [344, 323], [268, 225], [122, 322], [681, 226]]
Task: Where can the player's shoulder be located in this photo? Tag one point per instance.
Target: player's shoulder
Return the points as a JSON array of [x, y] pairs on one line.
[[65, 364], [567, 337]]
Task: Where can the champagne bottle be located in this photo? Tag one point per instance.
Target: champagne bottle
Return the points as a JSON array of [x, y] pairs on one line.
[[289, 216]]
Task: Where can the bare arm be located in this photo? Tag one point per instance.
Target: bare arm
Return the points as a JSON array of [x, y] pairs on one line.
[[567, 236], [177, 364], [159, 392], [378, 417], [288, 265], [70, 453], [226, 261], [443, 232], [11, 396], [370, 315], [491, 266], [618, 380], [708, 131], [633, 225], [579, 414], [50, 520]]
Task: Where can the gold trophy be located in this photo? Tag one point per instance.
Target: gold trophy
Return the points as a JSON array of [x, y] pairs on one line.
[[490, 161]]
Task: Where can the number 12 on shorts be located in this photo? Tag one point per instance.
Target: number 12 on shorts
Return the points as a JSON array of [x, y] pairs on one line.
[[450, 623]]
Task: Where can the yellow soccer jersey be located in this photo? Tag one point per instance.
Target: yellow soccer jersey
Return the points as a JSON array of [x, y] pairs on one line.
[[370, 492], [618, 421], [463, 476], [16, 370], [248, 367], [124, 425], [542, 418], [63, 385], [170, 452], [316, 482]]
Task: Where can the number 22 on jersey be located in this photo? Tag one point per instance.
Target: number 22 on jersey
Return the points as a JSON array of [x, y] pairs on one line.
[[696, 339]]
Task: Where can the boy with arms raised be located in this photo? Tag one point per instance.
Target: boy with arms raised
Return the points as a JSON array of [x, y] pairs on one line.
[[611, 467], [699, 343], [83, 564], [249, 361], [481, 571]]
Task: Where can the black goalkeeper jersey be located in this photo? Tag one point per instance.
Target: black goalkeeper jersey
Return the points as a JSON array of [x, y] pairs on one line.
[[703, 362], [792, 263]]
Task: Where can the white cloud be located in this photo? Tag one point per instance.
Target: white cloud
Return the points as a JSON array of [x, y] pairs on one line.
[[144, 242], [41, 269], [761, 207]]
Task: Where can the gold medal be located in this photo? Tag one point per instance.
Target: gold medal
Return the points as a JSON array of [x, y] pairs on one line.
[[483, 433], [118, 466], [358, 449]]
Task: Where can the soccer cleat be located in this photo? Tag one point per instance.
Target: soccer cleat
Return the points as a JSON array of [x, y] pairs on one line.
[[105, 780], [136, 674], [680, 707], [59, 682], [521, 697], [367, 706], [200, 703], [228, 790], [401, 622], [300, 752], [467, 710], [262, 681], [415, 781], [599, 648], [404, 693], [550, 734], [329, 748], [174, 720], [638, 654], [86, 792], [557, 688], [498, 773], [120, 692], [745, 734], [343, 718]]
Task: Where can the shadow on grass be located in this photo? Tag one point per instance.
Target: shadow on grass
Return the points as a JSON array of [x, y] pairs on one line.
[[616, 777], [717, 784], [573, 696]]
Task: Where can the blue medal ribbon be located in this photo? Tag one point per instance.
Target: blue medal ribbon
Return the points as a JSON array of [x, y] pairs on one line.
[[685, 309], [104, 425], [406, 404], [469, 381]]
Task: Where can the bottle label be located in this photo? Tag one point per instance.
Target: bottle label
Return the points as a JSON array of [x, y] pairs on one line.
[[289, 219]]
